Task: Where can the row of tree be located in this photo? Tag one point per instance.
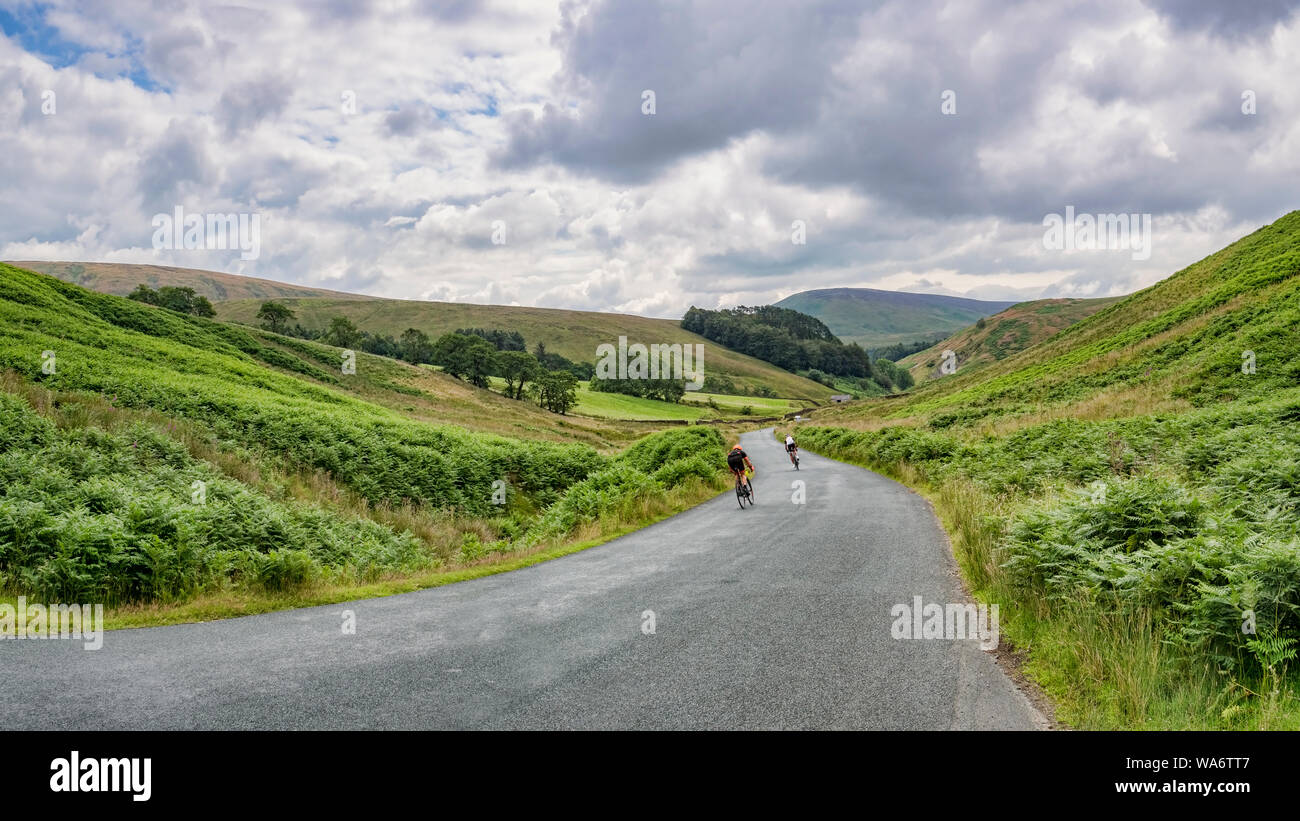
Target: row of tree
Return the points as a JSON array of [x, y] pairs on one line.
[[472, 354], [669, 390], [183, 300]]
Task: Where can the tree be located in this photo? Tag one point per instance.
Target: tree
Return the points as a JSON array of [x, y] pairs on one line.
[[470, 357], [481, 361], [275, 316], [201, 307], [342, 333], [416, 347], [143, 293], [518, 368], [557, 391], [181, 300]]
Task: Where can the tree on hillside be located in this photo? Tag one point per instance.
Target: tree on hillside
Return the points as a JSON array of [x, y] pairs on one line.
[[557, 391], [501, 340], [416, 347], [181, 300], [518, 368], [143, 293], [342, 333], [275, 316], [471, 358]]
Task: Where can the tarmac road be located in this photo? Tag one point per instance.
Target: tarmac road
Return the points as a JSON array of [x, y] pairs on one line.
[[777, 616]]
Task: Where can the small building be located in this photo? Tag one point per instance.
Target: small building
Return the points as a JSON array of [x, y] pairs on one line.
[[840, 397]]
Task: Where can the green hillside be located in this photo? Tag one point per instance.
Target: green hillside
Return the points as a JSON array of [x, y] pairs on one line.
[[149, 457], [1009, 332], [573, 334], [1129, 492], [874, 318]]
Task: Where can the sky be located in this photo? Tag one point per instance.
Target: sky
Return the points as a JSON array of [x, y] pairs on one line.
[[509, 153]]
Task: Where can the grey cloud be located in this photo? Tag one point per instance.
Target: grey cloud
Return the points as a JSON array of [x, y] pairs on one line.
[[411, 119], [176, 55], [1232, 20], [245, 105], [177, 158], [716, 75]]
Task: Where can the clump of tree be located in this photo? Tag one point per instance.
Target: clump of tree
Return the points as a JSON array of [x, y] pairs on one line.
[[181, 300], [557, 391], [788, 339], [275, 316], [518, 368], [899, 350], [900, 376], [555, 362], [667, 390], [501, 340], [714, 383], [467, 357], [416, 346]]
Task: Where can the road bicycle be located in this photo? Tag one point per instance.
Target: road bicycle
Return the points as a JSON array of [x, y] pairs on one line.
[[794, 457], [743, 491]]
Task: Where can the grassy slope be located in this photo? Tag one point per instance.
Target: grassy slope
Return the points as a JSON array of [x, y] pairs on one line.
[[1126, 492], [313, 477], [1008, 332], [875, 318], [122, 278], [574, 334]]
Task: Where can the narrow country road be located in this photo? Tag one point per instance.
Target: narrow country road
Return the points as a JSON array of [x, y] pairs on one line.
[[772, 617]]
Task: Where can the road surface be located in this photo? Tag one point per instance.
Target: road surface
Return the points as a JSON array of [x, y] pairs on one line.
[[777, 616]]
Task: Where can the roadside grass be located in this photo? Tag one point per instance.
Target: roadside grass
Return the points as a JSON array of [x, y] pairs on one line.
[[1104, 667], [643, 511]]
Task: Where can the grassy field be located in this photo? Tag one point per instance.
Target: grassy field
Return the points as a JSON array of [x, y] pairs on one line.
[[1128, 491], [692, 407], [153, 460]]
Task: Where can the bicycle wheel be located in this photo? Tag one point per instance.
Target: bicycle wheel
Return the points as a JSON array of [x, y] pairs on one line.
[[740, 495]]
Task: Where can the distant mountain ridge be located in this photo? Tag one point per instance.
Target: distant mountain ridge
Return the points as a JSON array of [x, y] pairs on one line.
[[874, 318]]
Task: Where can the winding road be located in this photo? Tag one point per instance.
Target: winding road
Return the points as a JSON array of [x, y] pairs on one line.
[[777, 616]]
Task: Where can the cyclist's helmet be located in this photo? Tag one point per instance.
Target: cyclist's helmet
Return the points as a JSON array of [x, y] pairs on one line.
[[737, 447]]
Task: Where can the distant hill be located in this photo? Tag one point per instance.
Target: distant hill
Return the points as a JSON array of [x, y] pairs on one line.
[[874, 318], [120, 279], [1009, 332]]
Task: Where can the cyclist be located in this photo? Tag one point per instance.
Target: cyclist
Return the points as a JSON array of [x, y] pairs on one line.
[[740, 466], [790, 447]]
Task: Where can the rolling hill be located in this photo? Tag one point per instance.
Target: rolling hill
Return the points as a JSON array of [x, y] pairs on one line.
[[574, 334], [1013, 330], [874, 318], [121, 278], [1128, 491]]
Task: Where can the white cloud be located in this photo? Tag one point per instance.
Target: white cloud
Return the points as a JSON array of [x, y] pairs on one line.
[[1124, 109]]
